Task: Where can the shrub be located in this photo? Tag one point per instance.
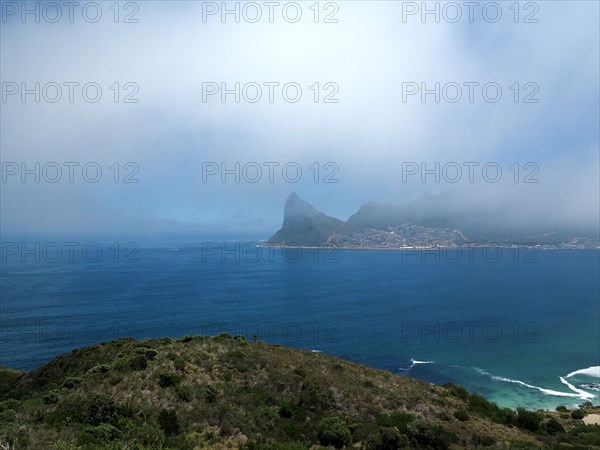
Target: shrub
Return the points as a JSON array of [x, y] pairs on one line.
[[586, 434], [50, 398], [138, 362], [8, 415], [528, 420], [457, 391], [168, 379], [443, 415], [98, 409], [10, 404], [235, 354], [71, 382], [115, 378], [387, 439], [461, 415], [101, 368], [286, 410], [293, 431], [183, 392], [276, 446], [91, 410], [508, 416], [300, 372], [486, 408], [149, 353], [210, 393], [554, 427], [179, 364], [427, 435], [142, 434], [561, 408], [480, 404], [122, 365], [99, 434], [168, 421], [126, 411], [397, 419], [334, 431], [518, 444], [484, 441], [578, 414]]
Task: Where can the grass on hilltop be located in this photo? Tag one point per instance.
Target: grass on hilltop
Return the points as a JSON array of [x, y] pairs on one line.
[[224, 392]]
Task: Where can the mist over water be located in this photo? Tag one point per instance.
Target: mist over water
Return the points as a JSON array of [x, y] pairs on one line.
[[535, 160]]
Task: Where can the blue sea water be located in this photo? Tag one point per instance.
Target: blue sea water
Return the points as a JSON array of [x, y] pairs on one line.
[[511, 325]]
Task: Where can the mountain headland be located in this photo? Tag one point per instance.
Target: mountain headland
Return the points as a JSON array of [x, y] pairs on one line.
[[443, 220]]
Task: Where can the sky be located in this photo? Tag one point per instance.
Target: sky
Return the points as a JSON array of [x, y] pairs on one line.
[[352, 116]]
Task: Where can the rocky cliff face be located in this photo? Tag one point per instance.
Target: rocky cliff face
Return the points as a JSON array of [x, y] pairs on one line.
[[304, 225]]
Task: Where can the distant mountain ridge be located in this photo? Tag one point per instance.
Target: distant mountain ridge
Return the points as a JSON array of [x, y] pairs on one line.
[[304, 225]]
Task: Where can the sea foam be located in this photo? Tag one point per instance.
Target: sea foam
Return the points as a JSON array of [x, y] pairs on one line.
[[577, 393], [593, 371]]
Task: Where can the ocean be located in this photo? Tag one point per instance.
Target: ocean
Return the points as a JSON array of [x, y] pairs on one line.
[[519, 326]]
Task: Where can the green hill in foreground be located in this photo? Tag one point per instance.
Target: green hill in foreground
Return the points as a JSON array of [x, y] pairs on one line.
[[224, 392]]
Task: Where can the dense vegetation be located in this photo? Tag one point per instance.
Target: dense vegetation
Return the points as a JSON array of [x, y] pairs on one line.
[[224, 392]]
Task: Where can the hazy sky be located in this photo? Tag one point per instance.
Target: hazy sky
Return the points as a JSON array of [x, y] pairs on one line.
[[370, 137]]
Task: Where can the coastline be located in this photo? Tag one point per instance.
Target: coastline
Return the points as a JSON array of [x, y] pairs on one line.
[[247, 392], [590, 419], [486, 245]]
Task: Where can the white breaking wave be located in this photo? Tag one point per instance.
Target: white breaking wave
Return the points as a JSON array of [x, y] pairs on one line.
[[593, 371], [577, 393], [414, 362], [585, 395]]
